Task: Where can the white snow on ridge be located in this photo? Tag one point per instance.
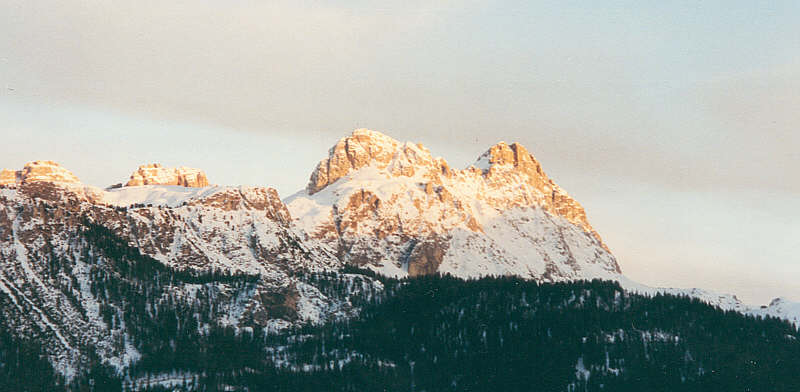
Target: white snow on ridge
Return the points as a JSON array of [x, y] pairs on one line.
[[779, 307], [483, 162], [308, 211], [530, 243], [524, 241], [157, 195], [486, 220]]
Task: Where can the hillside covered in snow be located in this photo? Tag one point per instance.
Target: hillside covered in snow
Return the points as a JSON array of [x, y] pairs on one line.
[[157, 278], [394, 208]]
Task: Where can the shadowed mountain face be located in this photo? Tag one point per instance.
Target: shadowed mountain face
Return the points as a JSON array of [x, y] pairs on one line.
[[395, 208]]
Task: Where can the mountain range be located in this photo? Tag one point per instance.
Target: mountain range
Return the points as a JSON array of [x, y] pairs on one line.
[[74, 257]]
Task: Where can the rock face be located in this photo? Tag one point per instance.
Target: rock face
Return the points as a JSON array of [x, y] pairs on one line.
[[57, 242], [393, 207], [155, 174], [72, 256], [8, 177], [504, 166], [362, 148], [38, 171]]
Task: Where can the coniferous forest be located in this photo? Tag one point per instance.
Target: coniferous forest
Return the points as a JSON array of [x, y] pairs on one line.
[[440, 333], [431, 333], [405, 196]]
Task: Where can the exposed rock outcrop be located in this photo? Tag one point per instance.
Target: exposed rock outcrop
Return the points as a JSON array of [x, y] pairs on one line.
[[155, 174], [38, 171], [241, 240], [501, 167], [253, 198], [505, 166], [393, 206], [8, 177], [369, 148]]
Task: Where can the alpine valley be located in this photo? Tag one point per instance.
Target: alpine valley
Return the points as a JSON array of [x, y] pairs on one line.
[[390, 271]]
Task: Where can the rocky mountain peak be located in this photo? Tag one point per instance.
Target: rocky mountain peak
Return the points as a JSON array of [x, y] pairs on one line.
[[155, 174], [393, 206], [8, 177], [505, 166], [363, 148], [38, 171], [514, 156]]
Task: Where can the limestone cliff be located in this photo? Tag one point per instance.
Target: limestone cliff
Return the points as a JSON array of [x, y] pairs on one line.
[[38, 171], [155, 174], [396, 208]]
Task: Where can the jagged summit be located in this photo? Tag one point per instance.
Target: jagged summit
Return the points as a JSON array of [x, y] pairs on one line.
[[374, 202], [495, 176], [363, 148], [38, 171], [514, 155], [504, 165], [150, 174], [366, 147], [155, 174], [87, 234], [394, 206]]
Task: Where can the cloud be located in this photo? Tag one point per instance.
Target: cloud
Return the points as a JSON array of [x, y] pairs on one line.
[[243, 64], [674, 102], [757, 110]]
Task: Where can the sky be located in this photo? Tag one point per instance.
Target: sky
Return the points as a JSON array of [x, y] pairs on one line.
[[673, 123]]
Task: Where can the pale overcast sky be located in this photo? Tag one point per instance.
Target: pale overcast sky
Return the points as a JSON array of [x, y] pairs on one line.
[[674, 124]]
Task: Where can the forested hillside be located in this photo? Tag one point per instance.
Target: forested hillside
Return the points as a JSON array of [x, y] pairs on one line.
[[440, 333]]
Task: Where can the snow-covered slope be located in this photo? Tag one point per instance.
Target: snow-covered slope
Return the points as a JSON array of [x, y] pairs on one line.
[[243, 256], [392, 207], [235, 248], [156, 195], [779, 307], [236, 229]]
